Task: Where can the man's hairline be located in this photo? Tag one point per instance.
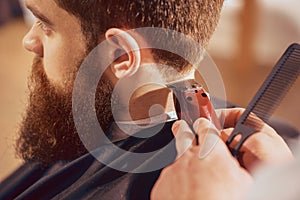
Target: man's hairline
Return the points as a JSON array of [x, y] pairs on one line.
[[88, 39]]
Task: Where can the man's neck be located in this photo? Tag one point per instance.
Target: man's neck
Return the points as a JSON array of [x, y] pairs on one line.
[[150, 101], [149, 106], [144, 95]]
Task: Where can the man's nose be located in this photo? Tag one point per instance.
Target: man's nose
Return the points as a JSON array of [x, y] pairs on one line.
[[32, 43]]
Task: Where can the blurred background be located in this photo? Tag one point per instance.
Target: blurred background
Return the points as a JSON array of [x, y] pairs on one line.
[[251, 37]]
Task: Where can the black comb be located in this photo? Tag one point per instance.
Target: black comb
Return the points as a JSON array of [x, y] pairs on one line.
[[268, 97]]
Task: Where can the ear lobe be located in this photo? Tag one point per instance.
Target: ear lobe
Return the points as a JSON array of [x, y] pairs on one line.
[[124, 42]]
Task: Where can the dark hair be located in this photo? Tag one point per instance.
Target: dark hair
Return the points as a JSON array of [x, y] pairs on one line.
[[195, 18]]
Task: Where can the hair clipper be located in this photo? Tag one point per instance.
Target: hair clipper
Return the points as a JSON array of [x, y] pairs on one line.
[[192, 102]]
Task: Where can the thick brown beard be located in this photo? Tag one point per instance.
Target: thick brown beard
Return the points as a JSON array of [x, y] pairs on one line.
[[47, 133]]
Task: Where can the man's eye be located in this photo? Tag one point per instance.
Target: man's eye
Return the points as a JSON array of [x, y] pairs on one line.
[[43, 26]]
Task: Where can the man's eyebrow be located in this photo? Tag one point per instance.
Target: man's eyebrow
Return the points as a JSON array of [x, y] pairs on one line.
[[39, 15]]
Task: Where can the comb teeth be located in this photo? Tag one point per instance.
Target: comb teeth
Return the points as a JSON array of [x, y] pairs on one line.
[[275, 87]]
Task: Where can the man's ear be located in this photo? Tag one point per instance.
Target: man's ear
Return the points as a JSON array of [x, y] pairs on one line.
[[127, 64]]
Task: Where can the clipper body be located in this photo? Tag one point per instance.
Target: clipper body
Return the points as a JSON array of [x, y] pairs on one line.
[[193, 102]]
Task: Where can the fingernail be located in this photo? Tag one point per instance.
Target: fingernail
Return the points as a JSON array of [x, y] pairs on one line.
[[198, 122]]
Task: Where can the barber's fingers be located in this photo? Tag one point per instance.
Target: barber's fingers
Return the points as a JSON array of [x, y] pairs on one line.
[[230, 116], [184, 136], [209, 138]]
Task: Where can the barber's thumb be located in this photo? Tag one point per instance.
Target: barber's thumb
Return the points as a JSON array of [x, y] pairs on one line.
[[208, 136], [184, 137]]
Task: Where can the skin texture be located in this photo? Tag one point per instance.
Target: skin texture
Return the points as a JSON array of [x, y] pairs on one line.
[[264, 147], [60, 44], [218, 175]]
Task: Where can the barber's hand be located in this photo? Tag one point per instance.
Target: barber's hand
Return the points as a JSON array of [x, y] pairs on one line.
[[216, 176], [263, 147]]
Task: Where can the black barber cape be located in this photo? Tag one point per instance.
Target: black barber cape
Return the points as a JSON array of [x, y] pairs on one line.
[[87, 178]]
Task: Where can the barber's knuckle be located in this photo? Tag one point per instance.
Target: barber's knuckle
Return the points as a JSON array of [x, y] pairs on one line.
[[208, 129], [194, 150], [257, 140], [240, 110], [200, 122], [239, 113]]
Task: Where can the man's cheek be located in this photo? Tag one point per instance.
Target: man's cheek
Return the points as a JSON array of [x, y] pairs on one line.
[[54, 67]]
